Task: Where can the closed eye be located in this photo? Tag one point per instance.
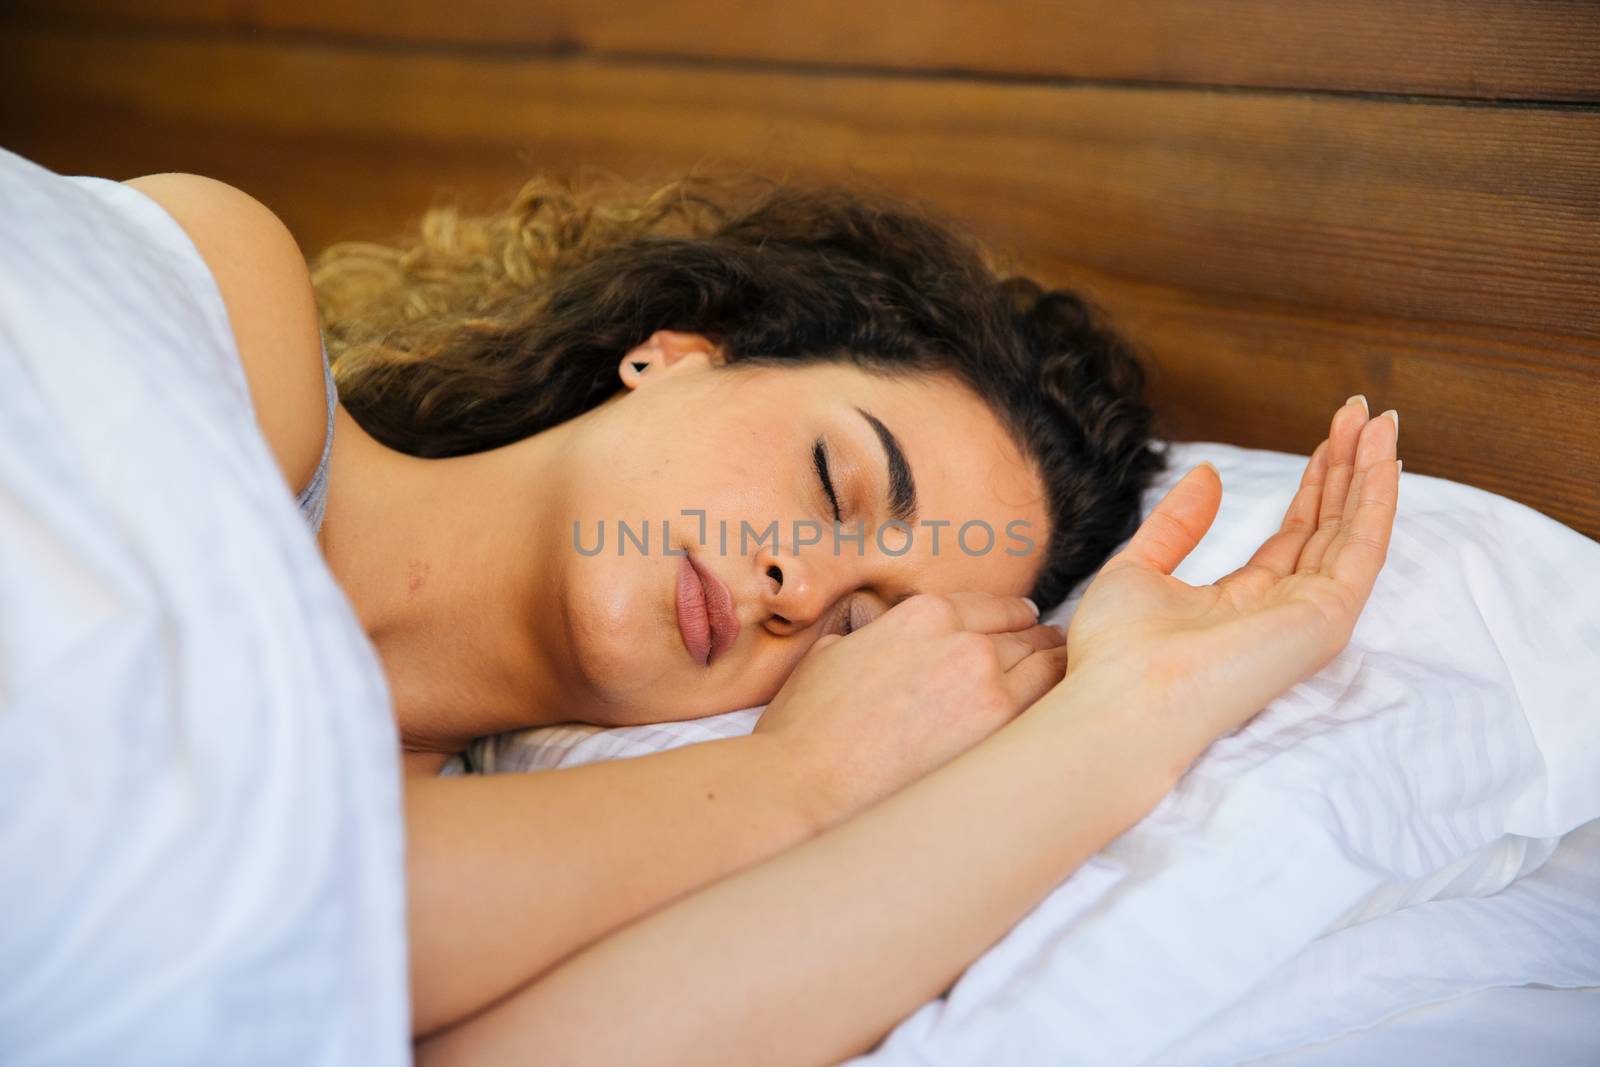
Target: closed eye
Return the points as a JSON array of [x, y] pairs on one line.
[[819, 460]]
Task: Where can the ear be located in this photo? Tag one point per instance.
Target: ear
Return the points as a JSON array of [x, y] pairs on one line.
[[667, 352]]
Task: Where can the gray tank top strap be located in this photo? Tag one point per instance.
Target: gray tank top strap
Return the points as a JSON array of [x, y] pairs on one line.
[[313, 500]]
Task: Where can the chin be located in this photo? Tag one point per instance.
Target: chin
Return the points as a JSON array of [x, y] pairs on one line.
[[637, 710], [624, 678], [612, 639]]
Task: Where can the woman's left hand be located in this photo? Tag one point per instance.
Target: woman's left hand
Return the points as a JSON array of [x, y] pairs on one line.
[[1212, 656]]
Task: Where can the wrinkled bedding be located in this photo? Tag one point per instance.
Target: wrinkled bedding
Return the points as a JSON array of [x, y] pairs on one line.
[[200, 839]]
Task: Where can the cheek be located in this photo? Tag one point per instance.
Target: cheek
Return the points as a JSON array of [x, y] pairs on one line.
[[729, 447], [614, 616], [713, 445], [736, 473], [730, 479]]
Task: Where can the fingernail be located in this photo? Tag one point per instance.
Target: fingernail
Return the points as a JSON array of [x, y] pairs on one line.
[[1032, 605], [1395, 415], [1358, 398], [1399, 465]]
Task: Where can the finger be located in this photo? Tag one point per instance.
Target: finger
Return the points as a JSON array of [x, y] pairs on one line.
[[823, 642], [990, 614], [1010, 651], [1011, 647], [1277, 555], [1035, 675], [1176, 524], [1357, 555], [1359, 552], [1040, 635], [1343, 437], [1377, 445]]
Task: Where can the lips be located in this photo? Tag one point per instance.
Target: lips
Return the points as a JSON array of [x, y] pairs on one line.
[[706, 618]]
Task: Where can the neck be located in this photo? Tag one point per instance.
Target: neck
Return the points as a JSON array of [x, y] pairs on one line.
[[441, 560]]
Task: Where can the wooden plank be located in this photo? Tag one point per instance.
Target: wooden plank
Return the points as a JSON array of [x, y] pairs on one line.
[[1468, 48], [1270, 254], [1505, 413], [1437, 212]]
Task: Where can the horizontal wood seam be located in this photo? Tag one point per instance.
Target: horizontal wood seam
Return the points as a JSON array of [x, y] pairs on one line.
[[180, 32]]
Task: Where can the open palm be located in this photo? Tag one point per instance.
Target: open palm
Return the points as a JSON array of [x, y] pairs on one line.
[[1211, 656]]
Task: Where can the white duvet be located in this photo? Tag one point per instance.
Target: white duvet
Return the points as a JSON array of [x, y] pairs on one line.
[[200, 841], [1344, 857]]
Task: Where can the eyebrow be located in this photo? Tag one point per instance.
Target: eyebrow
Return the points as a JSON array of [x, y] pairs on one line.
[[902, 486]]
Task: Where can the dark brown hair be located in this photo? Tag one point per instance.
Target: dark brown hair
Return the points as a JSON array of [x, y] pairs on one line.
[[485, 330]]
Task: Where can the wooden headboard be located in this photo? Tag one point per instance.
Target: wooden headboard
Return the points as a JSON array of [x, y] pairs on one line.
[[1282, 201]]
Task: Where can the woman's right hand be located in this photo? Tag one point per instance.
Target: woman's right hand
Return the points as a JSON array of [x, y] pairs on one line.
[[864, 715]]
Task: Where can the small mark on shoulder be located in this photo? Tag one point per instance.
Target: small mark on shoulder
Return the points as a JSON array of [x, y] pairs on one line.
[[711, 796], [416, 575]]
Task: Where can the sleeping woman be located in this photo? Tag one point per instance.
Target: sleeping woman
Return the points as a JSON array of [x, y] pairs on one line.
[[623, 460]]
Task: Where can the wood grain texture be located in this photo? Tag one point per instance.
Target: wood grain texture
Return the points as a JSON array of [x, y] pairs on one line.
[[1270, 253], [1487, 49]]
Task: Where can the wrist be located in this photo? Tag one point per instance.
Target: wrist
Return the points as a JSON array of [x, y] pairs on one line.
[[796, 781], [1113, 720]]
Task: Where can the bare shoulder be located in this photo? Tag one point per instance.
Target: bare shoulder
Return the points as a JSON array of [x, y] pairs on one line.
[[266, 287]]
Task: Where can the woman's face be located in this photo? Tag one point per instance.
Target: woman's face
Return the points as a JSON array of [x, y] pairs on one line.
[[729, 569]]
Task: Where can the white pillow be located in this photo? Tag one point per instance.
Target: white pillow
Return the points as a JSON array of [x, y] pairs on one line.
[[1441, 755]]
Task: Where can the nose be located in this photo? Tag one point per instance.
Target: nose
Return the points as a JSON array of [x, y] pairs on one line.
[[798, 591]]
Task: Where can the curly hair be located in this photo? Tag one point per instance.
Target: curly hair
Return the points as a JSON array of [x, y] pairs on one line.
[[482, 330]]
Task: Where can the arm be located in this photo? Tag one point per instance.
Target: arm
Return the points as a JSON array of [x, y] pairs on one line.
[[271, 307], [509, 873], [809, 957], [812, 956]]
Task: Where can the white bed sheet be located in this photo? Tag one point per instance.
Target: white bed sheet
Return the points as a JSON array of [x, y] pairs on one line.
[[1445, 961], [1529, 1026]]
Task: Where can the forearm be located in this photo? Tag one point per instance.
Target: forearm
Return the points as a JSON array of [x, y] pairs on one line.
[[812, 956], [507, 874]]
